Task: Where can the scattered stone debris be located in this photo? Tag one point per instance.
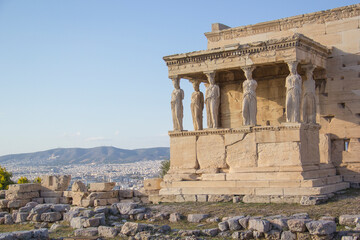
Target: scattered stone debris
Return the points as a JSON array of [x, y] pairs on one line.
[[92, 214], [119, 220]]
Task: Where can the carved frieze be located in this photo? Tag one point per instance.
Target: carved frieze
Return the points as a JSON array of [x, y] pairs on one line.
[[286, 23]]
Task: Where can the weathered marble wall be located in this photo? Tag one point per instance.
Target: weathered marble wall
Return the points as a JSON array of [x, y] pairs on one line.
[[270, 103], [295, 144]]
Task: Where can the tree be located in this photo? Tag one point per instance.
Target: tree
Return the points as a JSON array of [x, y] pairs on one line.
[[5, 178], [37, 180], [23, 180], [164, 168]]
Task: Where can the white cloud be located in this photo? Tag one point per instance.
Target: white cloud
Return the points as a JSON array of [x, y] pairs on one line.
[[117, 132]]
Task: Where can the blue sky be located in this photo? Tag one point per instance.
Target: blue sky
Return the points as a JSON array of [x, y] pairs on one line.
[[86, 73]]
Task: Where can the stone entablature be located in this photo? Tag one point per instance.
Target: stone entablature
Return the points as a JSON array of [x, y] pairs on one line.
[[226, 33], [294, 48]]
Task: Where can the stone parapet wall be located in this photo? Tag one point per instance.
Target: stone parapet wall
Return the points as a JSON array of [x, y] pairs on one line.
[[245, 149]]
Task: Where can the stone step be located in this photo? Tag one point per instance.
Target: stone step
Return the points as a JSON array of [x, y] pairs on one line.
[[257, 183], [295, 168], [334, 187], [322, 181], [288, 176], [187, 187]]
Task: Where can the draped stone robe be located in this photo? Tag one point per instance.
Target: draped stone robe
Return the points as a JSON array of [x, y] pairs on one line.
[[177, 108]]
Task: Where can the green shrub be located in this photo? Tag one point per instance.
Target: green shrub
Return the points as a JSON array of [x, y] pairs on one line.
[[37, 180], [164, 168], [5, 178], [23, 180]]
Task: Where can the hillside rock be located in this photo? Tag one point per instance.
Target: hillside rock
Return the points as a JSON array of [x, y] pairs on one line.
[[99, 155]]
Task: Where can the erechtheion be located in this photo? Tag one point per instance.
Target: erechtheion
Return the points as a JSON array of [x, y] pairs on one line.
[[282, 104]]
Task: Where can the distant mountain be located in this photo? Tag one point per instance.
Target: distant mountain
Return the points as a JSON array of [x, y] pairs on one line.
[[67, 156]]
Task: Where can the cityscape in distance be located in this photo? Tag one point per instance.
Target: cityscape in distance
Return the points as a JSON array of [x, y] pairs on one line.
[[128, 168]]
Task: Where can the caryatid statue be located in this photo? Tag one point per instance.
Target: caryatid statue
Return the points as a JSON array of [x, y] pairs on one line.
[[309, 99], [249, 104], [212, 101], [197, 106], [177, 96], [208, 117], [293, 93]]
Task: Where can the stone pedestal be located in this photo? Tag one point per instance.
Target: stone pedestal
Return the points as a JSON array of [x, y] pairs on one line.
[[279, 162]]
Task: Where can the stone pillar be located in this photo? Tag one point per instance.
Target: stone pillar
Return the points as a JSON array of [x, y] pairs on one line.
[[197, 106], [293, 93], [249, 104], [177, 96], [212, 101], [309, 98]]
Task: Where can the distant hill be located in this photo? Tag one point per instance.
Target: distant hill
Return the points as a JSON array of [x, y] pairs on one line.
[[67, 156]]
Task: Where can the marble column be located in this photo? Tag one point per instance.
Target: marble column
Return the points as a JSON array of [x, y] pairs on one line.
[[197, 105], [249, 103], [212, 100], [293, 93], [309, 98], [177, 97]]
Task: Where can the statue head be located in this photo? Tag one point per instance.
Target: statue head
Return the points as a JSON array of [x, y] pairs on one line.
[[211, 80], [248, 72], [293, 67], [196, 85], [211, 77], [176, 82], [309, 71]]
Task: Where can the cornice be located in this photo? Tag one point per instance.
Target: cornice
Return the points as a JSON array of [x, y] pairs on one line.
[[297, 40], [246, 129]]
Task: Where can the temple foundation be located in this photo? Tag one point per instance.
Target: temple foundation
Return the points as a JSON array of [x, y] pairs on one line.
[[263, 164]]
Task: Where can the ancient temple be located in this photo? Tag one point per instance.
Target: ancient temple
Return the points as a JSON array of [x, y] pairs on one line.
[[282, 111]]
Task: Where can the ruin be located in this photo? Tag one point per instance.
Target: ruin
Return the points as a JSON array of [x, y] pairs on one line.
[[282, 106]]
